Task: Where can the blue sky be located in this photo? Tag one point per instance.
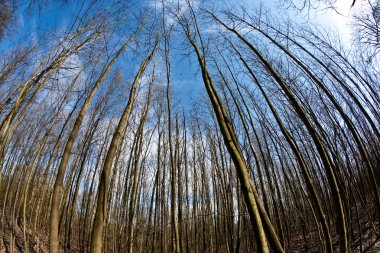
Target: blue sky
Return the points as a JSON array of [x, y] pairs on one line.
[[186, 80], [56, 17]]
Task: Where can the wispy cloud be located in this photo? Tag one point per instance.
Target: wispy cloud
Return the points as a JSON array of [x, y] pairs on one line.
[[173, 8]]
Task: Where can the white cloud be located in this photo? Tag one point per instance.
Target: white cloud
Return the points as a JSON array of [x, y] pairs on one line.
[[338, 19], [173, 8]]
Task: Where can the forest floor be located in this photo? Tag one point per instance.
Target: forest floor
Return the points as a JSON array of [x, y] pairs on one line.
[[13, 240]]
